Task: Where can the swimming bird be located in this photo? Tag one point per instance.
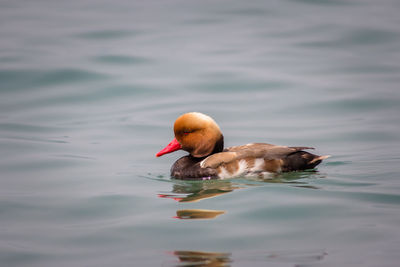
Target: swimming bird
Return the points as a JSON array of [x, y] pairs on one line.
[[201, 136]]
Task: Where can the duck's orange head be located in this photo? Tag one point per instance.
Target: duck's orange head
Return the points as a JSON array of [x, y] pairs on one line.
[[195, 133]]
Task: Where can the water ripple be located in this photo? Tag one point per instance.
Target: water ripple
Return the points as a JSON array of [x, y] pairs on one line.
[[326, 2], [359, 37], [122, 59], [27, 79], [26, 128], [107, 34]]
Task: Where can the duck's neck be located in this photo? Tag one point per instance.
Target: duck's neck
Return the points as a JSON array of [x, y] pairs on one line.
[[219, 145]]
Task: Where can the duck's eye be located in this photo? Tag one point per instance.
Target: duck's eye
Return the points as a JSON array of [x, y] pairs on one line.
[[186, 132]]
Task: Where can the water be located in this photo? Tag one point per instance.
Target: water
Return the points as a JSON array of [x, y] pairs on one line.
[[89, 91]]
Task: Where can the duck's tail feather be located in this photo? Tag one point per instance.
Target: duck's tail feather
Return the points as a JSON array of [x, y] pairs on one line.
[[302, 160]]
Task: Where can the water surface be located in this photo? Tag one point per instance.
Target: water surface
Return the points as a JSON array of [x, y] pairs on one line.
[[89, 91]]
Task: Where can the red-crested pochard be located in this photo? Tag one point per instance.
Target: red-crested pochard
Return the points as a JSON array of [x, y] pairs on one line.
[[200, 135]]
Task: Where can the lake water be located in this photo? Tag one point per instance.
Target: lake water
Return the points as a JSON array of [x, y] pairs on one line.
[[89, 91]]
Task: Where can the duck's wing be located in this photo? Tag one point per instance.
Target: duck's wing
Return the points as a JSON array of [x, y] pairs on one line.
[[255, 150]]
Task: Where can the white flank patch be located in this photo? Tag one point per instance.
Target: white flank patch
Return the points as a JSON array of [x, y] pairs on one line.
[[242, 168], [224, 174], [258, 165]]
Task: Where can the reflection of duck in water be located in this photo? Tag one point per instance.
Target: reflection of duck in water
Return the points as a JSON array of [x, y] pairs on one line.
[[204, 259], [200, 135], [195, 191], [191, 214], [278, 258]]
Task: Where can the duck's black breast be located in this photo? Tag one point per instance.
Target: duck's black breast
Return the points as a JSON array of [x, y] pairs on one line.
[[188, 168]]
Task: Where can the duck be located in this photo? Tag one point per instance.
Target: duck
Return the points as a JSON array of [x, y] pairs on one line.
[[200, 135]]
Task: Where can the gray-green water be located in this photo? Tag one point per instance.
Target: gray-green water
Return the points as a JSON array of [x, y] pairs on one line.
[[89, 91]]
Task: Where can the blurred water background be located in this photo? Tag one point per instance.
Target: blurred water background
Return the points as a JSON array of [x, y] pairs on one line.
[[89, 91]]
